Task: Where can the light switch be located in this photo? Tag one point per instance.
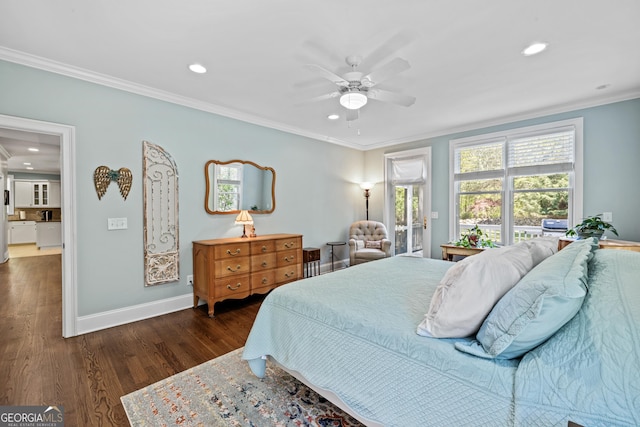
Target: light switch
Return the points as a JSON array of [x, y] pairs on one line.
[[607, 216], [434, 215], [117, 223]]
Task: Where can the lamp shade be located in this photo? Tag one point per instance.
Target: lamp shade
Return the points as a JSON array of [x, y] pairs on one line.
[[244, 218], [367, 185], [353, 100]]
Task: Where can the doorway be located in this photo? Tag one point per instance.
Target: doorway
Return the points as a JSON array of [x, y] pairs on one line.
[[67, 180], [408, 201]]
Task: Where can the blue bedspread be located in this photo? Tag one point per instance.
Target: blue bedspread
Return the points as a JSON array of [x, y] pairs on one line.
[[353, 332], [589, 371]]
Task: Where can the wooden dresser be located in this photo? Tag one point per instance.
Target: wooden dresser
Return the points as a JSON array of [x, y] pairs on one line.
[[239, 267]]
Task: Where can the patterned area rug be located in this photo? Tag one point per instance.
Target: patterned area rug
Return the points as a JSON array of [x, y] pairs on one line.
[[224, 392]]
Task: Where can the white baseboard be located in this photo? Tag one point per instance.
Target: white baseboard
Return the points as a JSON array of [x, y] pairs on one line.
[[121, 316]]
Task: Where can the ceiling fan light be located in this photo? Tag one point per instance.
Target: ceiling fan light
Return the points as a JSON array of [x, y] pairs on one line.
[[353, 100]]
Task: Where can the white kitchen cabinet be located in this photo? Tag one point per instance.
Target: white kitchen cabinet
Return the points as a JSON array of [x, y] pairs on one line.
[[37, 194], [40, 194], [48, 234], [22, 232], [55, 200], [23, 197]]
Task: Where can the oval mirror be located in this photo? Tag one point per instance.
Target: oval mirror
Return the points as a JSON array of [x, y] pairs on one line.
[[239, 185]]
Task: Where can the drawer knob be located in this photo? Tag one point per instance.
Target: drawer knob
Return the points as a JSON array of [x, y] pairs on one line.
[[264, 263], [264, 280], [232, 288], [289, 258], [289, 245], [264, 249], [231, 268], [237, 252], [288, 275]]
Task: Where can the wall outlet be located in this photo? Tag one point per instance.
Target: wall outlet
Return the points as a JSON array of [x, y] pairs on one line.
[[190, 280], [607, 216]]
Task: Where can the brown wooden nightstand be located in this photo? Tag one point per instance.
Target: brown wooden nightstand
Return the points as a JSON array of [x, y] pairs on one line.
[[311, 260]]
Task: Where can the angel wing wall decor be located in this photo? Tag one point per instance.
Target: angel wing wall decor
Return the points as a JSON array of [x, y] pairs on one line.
[[103, 176]]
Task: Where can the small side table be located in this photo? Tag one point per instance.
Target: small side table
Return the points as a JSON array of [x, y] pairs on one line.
[[607, 244], [333, 245], [311, 259], [448, 251]]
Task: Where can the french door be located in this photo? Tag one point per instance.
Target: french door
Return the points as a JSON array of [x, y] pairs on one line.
[[408, 201]]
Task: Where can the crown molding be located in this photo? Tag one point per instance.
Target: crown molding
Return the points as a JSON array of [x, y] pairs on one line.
[[45, 64]]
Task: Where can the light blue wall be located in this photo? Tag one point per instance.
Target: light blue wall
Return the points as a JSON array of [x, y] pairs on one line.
[[611, 167], [316, 194]]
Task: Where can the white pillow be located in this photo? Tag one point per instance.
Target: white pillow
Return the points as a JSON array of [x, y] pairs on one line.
[[469, 290], [542, 248]]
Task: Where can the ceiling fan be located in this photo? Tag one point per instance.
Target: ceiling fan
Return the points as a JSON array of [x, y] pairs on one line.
[[355, 88]]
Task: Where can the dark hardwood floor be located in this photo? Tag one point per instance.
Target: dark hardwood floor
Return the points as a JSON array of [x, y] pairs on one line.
[[88, 374]]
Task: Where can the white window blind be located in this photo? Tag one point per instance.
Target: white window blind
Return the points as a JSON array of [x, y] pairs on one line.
[[550, 152], [408, 171]]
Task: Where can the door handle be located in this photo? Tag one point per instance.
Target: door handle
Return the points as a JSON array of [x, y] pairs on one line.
[[424, 224]]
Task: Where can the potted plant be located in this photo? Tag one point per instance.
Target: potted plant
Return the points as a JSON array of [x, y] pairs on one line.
[[592, 226], [474, 238]]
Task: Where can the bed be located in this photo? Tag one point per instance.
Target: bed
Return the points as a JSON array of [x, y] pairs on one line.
[[352, 336]]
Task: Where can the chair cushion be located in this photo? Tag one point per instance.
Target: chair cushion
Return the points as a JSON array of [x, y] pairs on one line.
[[370, 254], [538, 306], [373, 244]]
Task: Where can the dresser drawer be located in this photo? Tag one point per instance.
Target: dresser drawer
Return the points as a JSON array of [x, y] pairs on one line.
[[263, 247], [263, 262], [287, 258], [288, 274], [233, 287], [231, 250], [290, 243], [232, 267], [265, 279]]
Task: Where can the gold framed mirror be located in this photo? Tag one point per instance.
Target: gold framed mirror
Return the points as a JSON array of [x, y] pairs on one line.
[[238, 185]]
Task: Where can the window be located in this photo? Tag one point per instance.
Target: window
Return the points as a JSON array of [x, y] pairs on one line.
[[227, 194], [509, 182]]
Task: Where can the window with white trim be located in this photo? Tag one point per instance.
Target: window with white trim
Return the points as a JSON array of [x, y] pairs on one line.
[[509, 182], [227, 192]]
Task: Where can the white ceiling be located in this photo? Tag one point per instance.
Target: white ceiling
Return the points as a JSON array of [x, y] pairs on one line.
[[17, 143], [466, 71]]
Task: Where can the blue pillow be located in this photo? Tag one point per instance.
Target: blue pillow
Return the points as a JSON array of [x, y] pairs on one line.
[[537, 306]]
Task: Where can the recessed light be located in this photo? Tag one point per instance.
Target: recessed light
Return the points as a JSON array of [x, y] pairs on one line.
[[29, 168], [534, 48], [27, 164], [198, 68], [33, 149], [333, 117]]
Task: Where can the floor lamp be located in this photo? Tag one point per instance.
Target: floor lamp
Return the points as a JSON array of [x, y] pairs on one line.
[[367, 186]]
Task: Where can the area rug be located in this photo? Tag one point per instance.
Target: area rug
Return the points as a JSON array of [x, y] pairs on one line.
[[224, 392]]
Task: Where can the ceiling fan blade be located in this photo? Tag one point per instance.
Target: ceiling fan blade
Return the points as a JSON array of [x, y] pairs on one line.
[[387, 49], [352, 115], [394, 98], [392, 68], [332, 77], [321, 98]]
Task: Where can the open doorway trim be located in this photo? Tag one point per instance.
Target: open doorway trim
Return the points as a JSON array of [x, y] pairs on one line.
[[388, 213], [67, 179]]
